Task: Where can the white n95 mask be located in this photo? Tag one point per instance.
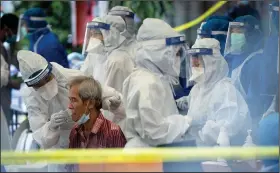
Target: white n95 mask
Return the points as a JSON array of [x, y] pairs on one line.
[[197, 74], [49, 90], [95, 46]]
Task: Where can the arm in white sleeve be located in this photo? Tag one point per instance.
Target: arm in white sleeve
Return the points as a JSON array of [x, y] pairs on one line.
[[112, 101], [230, 111], [39, 122], [145, 114], [118, 68], [87, 67]]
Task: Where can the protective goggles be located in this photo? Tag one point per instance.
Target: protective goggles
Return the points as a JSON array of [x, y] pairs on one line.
[[36, 77], [93, 29], [23, 24]]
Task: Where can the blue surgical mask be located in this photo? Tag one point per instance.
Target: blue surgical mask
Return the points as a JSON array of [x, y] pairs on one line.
[[84, 118], [12, 39], [238, 41]]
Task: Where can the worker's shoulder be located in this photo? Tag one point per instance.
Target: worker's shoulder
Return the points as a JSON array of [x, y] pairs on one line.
[[50, 39], [65, 74], [141, 79], [119, 55], [225, 85], [144, 75]]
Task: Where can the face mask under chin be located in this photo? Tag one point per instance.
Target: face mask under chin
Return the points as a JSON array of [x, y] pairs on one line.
[[84, 118]]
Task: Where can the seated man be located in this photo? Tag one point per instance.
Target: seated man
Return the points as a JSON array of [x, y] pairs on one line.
[[91, 130]]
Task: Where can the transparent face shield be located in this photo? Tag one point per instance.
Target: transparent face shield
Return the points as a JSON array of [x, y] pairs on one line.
[[94, 35], [196, 62], [272, 10], [175, 66], [23, 28], [179, 62], [236, 40]]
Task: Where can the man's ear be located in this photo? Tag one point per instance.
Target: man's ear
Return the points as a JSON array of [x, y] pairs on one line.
[[91, 104]]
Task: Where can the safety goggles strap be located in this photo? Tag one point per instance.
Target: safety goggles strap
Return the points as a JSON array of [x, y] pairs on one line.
[[122, 13], [98, 25], [36, 79], [200, 51]]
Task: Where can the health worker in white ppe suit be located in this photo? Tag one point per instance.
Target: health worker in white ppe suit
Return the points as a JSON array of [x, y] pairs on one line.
[[94, 64], [128, 16], [152, 114], [46, 99], [107, 35], [213, 102]]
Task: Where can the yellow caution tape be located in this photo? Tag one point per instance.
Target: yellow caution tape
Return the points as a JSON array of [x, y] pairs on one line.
[[196, 21], [137, 155]]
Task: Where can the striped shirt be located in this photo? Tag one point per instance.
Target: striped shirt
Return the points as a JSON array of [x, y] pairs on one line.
[[104, 134]]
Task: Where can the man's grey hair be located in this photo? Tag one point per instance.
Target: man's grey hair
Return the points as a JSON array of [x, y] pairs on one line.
[[89, 89]]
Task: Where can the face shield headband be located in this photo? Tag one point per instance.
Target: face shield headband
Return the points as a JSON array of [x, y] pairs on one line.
[[122, 13], [38, 76], [93, 26], [210, 34], [23, 20]]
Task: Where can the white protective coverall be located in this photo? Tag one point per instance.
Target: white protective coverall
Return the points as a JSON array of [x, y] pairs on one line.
[[40, 111], [152, 114], [214, 101], [119, 63], [111, 66], [128, 15], [94, 64]]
